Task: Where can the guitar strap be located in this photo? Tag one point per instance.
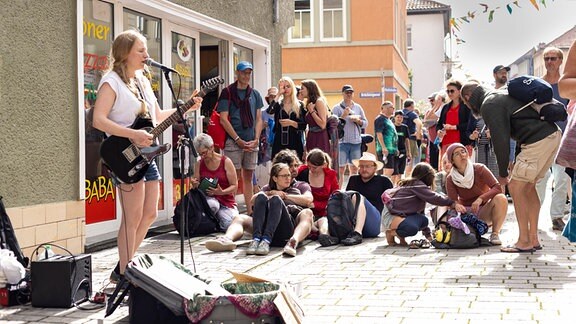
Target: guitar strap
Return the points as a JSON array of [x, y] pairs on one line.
[[144, 112]]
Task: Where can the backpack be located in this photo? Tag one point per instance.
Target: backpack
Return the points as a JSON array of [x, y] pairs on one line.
[[215, 129], [8, 236], [341, 213], [536, 93], [455, 238], [199, 217]]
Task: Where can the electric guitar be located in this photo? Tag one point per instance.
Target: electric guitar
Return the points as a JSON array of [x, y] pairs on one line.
[[129, 162]]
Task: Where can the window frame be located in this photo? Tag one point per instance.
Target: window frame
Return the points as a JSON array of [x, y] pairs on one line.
[[344, 22], [290, 30]]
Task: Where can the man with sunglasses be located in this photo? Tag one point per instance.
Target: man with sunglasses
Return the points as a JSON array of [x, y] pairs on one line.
[[553, 57]]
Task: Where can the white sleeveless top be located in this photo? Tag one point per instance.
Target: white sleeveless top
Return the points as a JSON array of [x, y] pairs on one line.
[[127, 106]]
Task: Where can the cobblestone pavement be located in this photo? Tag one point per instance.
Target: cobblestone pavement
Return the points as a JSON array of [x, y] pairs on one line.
[[373, 282]]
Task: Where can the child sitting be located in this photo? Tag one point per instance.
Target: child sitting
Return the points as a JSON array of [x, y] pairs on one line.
[[403, 214]]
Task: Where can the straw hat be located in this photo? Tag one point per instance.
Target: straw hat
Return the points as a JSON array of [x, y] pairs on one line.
[[370, 158]]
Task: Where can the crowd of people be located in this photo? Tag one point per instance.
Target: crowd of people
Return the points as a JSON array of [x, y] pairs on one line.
[[477, 150]]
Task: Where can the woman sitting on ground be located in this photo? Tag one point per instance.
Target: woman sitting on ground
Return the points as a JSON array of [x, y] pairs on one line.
[[216, 166], [323, 181], [243, 223], [275, 209], [474, 186], [404, 215]]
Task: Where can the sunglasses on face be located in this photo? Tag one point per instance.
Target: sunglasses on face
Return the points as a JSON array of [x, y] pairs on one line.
[[450, 91], [551, 58]]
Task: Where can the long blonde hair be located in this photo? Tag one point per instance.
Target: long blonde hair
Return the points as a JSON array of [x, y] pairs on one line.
[[121, 48], [293, 98]]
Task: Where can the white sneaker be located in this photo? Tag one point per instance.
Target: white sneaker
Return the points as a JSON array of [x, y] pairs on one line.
[[220, 244]]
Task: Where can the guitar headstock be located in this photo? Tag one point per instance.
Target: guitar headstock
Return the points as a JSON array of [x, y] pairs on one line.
[[209, 85]]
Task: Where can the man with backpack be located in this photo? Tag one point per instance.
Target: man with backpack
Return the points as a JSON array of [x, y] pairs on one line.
[[538, 141]]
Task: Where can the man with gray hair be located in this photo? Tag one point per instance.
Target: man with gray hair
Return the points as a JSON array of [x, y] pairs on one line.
[[538, 141]]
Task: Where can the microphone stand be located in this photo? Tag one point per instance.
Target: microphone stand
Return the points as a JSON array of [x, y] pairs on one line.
[[183, 142]]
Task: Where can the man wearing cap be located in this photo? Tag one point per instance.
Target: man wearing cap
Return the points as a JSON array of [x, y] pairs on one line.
[[538, 141], [240, 114], [500, 73], [350, 144], [386, 138], [553, 57], [371, 186]]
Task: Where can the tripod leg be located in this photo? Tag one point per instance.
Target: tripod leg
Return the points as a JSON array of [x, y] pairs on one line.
[[115, 300]]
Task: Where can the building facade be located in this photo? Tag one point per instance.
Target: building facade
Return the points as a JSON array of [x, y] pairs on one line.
[[362, 43], [428, 46], [52, 56]]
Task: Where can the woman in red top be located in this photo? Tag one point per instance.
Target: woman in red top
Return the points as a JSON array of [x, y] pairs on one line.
[[323, 182], [213, 165], [453, 122], [474, 186]]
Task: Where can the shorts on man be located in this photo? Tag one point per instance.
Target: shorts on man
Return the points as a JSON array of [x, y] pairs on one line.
[[240, 158], [349, 152]]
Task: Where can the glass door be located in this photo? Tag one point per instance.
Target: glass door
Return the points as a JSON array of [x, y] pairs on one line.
[[183, 57]]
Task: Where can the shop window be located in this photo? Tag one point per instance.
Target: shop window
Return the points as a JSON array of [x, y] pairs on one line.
[[150, 27], [303, 24], [333, 19], [98, 35]]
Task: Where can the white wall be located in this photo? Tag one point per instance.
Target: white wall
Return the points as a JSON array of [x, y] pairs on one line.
[[426, 55]]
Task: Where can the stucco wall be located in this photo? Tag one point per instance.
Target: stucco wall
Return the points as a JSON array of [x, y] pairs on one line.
[[246, 14], [38, 106], [39, 149]]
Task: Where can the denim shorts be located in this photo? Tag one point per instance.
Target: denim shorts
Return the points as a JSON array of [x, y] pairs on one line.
[[349, 152], [152, 174]]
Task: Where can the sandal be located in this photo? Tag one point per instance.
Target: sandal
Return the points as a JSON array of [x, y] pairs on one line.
[[419, 244], [414, 244], [424, 244]]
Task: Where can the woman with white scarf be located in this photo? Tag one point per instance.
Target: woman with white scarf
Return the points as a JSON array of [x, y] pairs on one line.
[[474, 186]]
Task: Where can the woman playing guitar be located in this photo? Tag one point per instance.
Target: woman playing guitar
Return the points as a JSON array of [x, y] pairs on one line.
[[123, 95]]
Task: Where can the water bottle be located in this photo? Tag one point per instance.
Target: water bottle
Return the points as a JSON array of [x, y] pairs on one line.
[[47, 253]]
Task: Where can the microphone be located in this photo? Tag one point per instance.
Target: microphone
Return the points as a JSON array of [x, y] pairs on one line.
[[151, 62]]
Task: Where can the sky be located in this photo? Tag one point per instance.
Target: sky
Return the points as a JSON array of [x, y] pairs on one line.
[[508, 36]]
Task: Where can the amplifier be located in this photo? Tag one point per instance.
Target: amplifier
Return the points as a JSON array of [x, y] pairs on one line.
[[61, 280]]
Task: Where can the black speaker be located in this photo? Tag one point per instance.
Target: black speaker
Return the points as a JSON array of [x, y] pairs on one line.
[[61, 280]]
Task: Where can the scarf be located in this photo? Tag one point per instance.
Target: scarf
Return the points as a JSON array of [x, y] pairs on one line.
[[243, 105], [466, 180]]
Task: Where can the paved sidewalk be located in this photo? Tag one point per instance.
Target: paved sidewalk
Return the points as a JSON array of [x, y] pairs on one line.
[[375, 283]]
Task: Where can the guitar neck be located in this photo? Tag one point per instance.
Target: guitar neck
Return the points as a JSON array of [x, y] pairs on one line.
[[175, 117]]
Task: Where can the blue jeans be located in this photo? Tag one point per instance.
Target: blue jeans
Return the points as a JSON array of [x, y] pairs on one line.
[[411, 225], [372, 223]]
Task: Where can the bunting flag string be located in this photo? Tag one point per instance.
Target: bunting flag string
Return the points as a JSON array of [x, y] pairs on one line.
[[456, 22]]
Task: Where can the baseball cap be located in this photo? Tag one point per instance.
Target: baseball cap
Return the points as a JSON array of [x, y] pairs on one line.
[[432, 95], [243, 65], [347, 87], [500, 67]]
